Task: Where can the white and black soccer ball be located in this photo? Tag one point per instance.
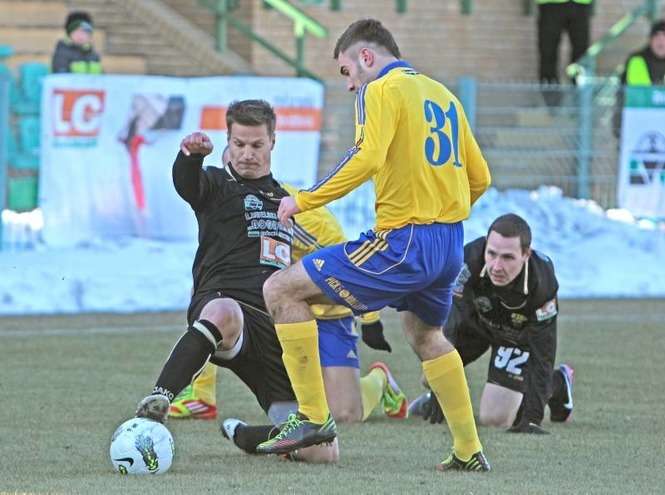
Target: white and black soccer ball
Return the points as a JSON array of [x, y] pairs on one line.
[[142, 446]]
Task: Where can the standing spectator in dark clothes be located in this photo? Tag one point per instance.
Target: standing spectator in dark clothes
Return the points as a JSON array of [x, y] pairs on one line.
[[76, 53], [555, 17]]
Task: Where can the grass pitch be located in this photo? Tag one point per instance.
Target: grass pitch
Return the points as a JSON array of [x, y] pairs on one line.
[[67, 382]]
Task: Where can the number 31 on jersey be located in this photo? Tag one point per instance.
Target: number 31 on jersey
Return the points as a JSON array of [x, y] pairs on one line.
[[440, 144]]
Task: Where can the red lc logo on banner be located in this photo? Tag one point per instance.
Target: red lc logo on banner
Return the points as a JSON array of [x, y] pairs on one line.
[[77, 113]]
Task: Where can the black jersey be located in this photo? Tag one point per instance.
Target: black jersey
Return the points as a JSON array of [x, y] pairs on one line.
[[521, 314], [241, 242], [508, 312]]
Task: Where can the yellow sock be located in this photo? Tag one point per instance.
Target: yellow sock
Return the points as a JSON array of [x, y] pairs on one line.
[[205, 385], [371, 390], [300, 353], [446, 378]]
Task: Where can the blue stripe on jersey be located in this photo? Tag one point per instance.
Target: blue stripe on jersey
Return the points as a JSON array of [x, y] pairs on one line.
[[349, 154], [391, 66], [360, 104]]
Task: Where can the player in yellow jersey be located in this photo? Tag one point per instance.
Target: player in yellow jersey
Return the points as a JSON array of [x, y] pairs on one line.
[[414, 142], [352, 398]]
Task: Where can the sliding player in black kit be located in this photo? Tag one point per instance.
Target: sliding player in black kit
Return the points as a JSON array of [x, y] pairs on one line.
[[241, 243]]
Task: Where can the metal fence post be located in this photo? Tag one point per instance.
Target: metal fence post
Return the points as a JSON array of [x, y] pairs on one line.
[[299, 32], [654, 9], [221, 28], [585, 134], [4, 139], [468, 90]]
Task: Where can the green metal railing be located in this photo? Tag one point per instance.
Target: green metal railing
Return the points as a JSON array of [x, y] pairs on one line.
[[528, 144], [4, 131], [303, 24], [586, 65], [400, 5]]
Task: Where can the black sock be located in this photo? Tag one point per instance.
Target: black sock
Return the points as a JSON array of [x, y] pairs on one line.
[[249, 437], [559, 395], [187, 358]]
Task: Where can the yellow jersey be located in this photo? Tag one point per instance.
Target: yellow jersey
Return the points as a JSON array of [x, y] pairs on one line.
[[414, 141]]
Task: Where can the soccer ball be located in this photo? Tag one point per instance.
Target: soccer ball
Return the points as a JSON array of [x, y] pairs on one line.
[[142, 446]]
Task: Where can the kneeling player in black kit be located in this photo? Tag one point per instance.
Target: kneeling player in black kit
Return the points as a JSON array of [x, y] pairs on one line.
[[506, 300], [241, 243]]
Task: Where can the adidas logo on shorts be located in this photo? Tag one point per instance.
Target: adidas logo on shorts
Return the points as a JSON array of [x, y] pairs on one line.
[[318, 263]]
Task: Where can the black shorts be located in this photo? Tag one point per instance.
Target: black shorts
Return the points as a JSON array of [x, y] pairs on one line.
[[508, 363], [259, 363]]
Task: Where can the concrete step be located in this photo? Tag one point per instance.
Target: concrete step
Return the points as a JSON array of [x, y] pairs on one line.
[[39, 41], [112, 64], [32, 14], [15, 61], [124, 64], [515, 95], [518, 137], [556, 160], [535, 117]]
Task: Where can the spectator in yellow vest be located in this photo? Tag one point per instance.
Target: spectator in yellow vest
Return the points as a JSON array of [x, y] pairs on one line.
[[555, 17], [645, 67], [76, 53]]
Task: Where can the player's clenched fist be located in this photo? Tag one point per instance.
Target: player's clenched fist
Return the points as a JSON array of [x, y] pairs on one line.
[[197, 142]]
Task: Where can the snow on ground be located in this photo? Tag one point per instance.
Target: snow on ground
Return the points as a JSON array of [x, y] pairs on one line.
[[594, 256]]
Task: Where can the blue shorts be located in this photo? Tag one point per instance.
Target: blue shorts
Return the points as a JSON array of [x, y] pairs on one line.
[[411, 269], [338, 343]]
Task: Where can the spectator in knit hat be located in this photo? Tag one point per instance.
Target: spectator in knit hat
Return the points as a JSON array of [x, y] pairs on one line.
[[76, 53]]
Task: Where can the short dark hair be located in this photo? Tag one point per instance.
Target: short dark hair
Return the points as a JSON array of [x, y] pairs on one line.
[[657, 27], [511, 225], [368, 30], [252, 113]]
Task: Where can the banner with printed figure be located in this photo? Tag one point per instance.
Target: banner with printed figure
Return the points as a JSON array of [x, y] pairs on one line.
[[108, 144], [641, 184]]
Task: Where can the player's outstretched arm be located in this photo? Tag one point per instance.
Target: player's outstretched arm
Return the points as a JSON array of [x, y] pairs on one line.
[[196, 143], [376, 125], [188, 177], [538, 379]]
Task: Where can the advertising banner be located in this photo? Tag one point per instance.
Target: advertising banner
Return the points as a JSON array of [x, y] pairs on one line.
[[641, 184], [108, 144]]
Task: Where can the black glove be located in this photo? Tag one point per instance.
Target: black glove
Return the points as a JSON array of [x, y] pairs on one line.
[[527, 427], [373, 336], [432, 410]]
